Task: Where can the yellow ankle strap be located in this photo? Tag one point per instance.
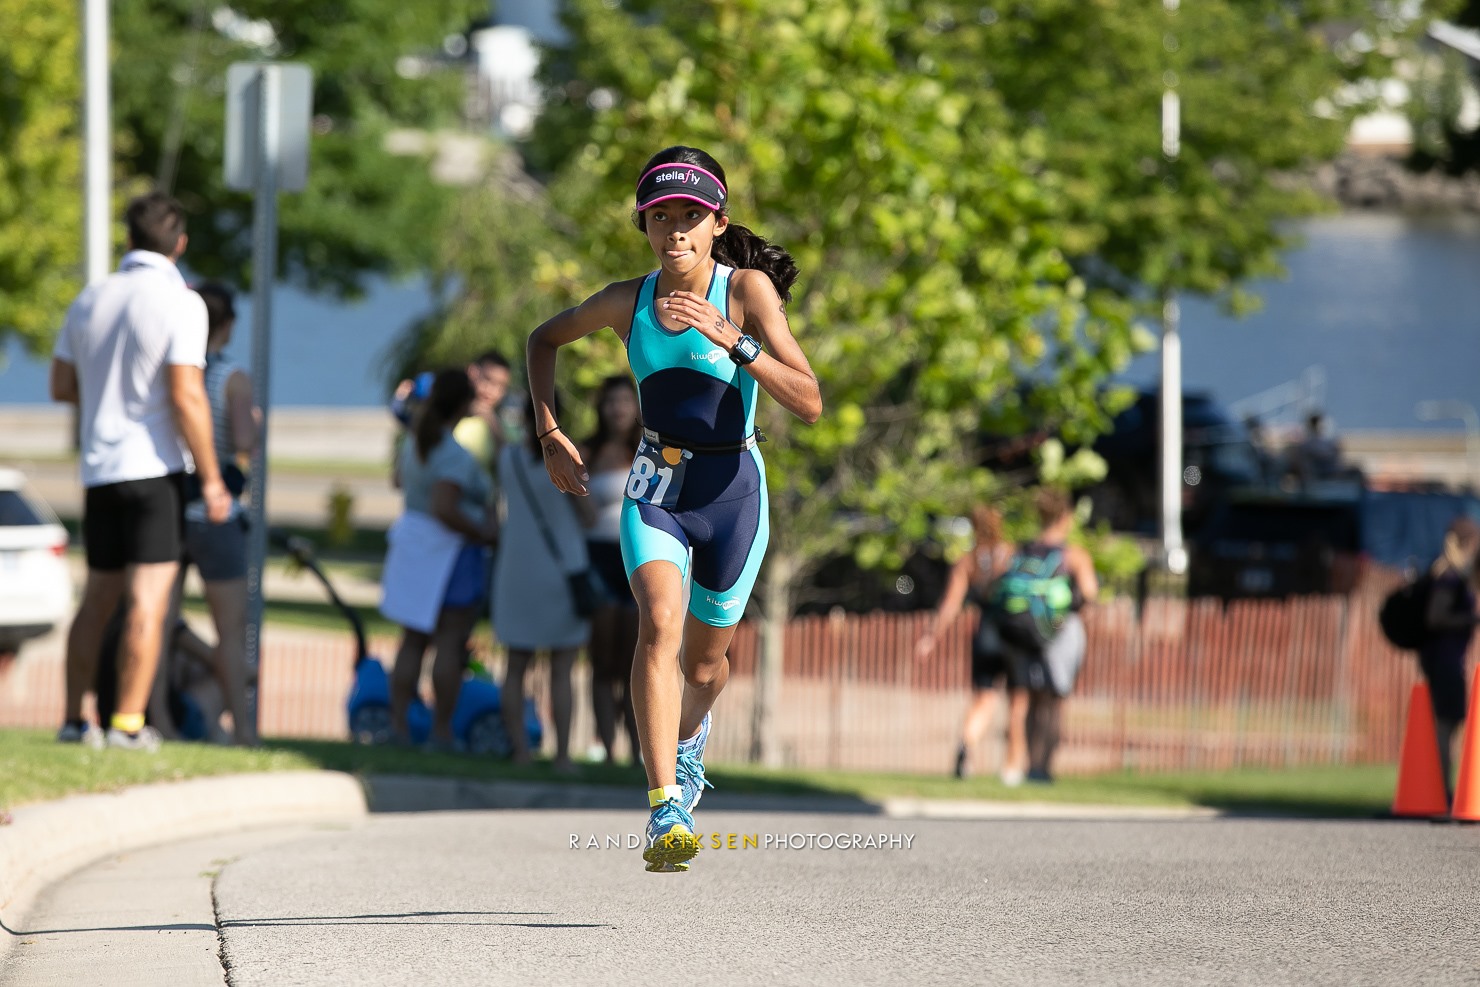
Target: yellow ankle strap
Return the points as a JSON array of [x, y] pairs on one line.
[[128, 722], [657, 796]]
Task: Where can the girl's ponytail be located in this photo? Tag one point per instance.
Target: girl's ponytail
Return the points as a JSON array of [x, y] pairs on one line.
[[741, 247]]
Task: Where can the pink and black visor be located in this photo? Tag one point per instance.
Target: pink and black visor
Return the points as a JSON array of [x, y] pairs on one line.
[[680, 181]]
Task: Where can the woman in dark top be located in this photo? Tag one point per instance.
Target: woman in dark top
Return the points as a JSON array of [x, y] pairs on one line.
[[1451, 624], [608, 455], [971, 580]]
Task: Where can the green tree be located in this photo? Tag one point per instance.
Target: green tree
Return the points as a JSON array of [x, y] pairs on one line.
[[1442, 137], [928, 237], [979, 205], [502, 269], [1267, 90], [366, 211], [40, 169]]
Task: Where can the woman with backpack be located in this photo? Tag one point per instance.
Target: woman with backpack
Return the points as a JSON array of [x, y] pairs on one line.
[[1450, 622], [1057, 657]]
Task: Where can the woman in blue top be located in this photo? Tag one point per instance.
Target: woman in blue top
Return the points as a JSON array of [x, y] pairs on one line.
[[703, 333]]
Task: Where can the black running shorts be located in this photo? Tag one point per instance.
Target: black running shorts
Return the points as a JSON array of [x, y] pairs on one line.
[[994, 659], [135, 522]]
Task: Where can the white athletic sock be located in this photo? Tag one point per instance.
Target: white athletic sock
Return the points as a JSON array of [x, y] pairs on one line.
[[694, 740]]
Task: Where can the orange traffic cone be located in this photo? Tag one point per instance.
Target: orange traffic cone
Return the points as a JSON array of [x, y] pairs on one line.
[[1467, 791], [1420, 779]]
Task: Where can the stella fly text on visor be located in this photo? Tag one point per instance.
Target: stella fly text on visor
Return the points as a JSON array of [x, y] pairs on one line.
[[680, 181]]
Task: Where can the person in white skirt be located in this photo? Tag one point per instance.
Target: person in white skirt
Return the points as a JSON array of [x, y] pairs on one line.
[[433, 583]]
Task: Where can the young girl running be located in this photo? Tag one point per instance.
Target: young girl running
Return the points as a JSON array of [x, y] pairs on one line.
[[702, 333]]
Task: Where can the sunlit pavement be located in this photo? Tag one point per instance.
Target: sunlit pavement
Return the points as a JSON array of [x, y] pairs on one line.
[[505, 898]]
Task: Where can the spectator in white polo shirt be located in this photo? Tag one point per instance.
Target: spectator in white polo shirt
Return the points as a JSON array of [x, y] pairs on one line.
[[130, 356]]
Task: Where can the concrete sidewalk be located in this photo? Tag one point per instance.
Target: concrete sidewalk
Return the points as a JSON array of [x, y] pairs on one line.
[[316, 449], [149, 913], [278, 583], [300, 496], [47, 841]]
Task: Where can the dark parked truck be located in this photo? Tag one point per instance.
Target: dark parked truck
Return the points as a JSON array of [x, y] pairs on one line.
[[1217, 458], [1269, 544]]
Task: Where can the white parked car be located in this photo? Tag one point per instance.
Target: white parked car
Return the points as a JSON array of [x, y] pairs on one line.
[[35, 586]]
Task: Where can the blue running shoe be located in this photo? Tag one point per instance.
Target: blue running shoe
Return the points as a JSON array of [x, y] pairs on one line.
[[671, 842], [81, 732], [691, 766]]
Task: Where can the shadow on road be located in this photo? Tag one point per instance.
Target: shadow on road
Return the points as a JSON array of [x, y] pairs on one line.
[[405, 918], [181, 927], [406, 780], [414, 793]]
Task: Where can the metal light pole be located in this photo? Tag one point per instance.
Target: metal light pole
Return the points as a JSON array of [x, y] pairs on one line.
[[1174, 552], [264, 270], [268, 106], [1430, 411], [97, 155]]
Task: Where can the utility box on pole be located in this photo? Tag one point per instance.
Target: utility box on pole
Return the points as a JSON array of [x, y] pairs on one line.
[[268, 109]]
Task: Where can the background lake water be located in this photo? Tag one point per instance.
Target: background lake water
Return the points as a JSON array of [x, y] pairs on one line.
[[1388, 305]]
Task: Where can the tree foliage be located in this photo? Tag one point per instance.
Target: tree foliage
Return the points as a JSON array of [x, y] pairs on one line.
[[1443, 134], [366, 211], [928, 234], [1266, 89], [977, 198], [40, 168], [501, 270]]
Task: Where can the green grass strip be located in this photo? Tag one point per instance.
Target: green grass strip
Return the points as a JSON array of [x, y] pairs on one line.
[[33, 767]]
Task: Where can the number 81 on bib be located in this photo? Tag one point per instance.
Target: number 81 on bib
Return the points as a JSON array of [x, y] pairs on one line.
[[657, 474]]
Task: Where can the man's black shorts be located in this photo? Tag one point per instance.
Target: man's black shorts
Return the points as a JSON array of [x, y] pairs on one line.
[[135, 522]]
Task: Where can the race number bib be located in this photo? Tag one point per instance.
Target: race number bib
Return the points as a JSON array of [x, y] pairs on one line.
[[657, 474]]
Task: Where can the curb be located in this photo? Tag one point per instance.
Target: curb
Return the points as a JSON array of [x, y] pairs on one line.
[[902, 808], [415, 793], [49, 840]]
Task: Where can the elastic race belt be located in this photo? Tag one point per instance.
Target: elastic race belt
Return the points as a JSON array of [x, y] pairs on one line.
[[702, 447]]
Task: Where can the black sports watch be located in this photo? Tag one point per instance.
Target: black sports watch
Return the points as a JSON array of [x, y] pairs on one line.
[[745, 350]]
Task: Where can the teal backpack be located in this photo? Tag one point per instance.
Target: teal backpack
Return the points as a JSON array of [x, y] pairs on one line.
[[1031, 599]]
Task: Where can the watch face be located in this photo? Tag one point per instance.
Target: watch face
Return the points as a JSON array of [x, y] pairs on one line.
[[748, 348]]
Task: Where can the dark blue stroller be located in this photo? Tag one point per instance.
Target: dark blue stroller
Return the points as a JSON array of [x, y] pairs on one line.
[[477, 721]]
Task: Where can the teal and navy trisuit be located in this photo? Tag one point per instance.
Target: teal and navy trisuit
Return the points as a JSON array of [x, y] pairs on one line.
[[692, 394]]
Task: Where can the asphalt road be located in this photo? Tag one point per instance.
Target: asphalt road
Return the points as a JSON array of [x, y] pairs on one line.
[[502, 898]]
